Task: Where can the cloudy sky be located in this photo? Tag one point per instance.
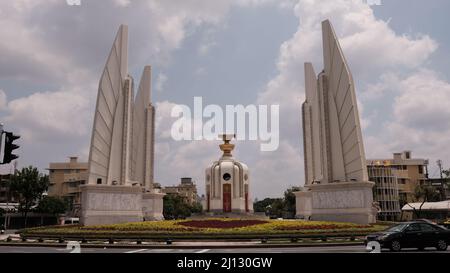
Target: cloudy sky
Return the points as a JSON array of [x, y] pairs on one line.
[[228, 52]]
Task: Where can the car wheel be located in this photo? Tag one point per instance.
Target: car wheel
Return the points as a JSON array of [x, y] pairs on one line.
[[441, 245], [396, 246]]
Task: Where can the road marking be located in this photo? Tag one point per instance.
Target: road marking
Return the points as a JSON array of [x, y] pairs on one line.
[[202, 251], [136, 251]]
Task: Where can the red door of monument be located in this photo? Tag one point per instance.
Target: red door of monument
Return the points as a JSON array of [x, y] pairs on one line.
[[226, 198]]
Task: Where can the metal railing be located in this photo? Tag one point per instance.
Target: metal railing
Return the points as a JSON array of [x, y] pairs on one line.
[[170, 238]]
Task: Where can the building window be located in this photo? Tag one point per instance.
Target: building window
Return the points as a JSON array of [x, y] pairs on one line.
[[420, 169], [99, 181]]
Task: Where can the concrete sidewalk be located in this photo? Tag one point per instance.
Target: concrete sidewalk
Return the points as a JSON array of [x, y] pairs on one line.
[[9, 233]]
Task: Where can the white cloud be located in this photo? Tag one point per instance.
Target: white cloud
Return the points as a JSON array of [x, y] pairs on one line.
[[420, 117], [200, 71], [65, 47], [175, 159], [41, 115], [163, 119], [272, 173], [371, 47], [206, 46], [423, 102], [3, 100], [361, 35], [160, 82], [280, 3], [122, 3]]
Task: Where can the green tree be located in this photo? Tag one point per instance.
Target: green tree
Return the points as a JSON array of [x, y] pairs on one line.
[[423, 194], [276, 208], [272, 207], [262, 205], [289, 205], [197, 207], [175, 207], [52, 205], [29, 185]]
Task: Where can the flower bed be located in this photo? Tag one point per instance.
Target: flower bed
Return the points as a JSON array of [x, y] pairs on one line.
[[320, 227], [221, 224], [213, 227]]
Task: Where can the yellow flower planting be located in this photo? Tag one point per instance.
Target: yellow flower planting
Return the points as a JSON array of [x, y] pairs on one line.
[[215, 226]]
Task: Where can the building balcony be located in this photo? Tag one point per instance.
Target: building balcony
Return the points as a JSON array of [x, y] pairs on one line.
[[73, 190], [75, 177]]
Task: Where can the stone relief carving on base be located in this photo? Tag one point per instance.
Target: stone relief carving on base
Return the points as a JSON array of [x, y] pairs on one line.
[[338, 199]]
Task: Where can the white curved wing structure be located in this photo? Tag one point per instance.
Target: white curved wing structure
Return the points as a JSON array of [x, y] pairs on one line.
[[310, 117], [333, 145], [121, 151], [143, 133], [110, 141]]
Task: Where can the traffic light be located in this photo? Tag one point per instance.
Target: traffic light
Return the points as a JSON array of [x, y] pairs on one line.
[[8, 156]]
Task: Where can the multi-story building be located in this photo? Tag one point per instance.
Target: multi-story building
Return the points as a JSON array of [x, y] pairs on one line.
[[186, 189], [5, 194], [385, 191], [440, 184], [4, 188], [65, 180], [410, 172]]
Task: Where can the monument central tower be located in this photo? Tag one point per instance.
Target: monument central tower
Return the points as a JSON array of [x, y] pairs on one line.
[[228, 183]]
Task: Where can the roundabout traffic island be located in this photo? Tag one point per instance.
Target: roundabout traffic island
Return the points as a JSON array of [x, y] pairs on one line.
[[206, 230]]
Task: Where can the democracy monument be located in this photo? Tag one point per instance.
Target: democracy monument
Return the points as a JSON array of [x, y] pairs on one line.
[[336, 181], [121, 156]]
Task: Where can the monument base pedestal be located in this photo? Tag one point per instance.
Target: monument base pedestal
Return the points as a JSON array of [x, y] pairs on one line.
[[303, 204], [108, 204], [340, 202], [152, 206]]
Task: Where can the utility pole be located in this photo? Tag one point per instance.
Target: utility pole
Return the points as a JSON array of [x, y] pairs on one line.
[[7, 207], [439, 163], [1, 137]]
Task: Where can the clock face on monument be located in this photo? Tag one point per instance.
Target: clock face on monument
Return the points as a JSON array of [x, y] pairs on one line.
[[227, 177]]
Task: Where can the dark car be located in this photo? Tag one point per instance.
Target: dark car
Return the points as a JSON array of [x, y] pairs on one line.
[[417, 234]]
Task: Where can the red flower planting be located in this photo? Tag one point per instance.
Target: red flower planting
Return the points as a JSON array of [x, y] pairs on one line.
[[221, 224]]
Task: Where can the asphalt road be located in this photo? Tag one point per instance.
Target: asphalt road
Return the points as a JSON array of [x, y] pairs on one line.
[[324, 249]]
